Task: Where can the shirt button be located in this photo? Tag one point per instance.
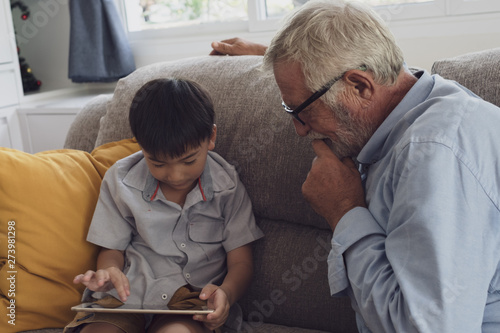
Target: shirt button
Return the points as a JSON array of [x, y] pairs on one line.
[[164, 296], [188, 275], [183, 245]]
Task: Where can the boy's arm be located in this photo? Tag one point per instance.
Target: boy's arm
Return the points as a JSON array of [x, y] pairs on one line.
[[108, 275], [239, 272], [236, 282]]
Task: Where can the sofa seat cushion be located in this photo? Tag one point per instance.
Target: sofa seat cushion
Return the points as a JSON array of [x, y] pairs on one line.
[[47, 201], [290, 284]]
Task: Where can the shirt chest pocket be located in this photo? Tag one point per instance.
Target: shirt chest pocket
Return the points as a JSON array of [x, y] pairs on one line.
[[208, 231], [208, 234]]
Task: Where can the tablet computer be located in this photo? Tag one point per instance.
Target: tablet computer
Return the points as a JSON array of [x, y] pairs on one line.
[[129, 308]]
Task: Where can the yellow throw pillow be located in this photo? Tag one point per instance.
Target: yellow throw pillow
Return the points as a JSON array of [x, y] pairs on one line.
[[109, 153], [46, 205]]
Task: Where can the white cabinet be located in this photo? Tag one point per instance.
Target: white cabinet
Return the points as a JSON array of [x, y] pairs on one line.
[[45, 122], [10, 136], [8, 89], [45, 129], [11, 89]]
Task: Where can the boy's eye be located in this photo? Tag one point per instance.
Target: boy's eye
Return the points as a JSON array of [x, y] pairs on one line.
[[189, 162], [157, 165]]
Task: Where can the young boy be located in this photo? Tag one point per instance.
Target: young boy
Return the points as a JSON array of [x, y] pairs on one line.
[[173, 214]]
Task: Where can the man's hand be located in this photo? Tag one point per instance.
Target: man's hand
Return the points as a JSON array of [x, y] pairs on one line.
[[332, 187], [105, 280], [237, 46], [217, 299]]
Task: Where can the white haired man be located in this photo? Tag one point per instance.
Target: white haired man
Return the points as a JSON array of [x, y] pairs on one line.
[[407, 174]]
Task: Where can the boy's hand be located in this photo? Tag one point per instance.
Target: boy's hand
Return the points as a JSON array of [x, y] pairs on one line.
[[104, 280], [217, 299]]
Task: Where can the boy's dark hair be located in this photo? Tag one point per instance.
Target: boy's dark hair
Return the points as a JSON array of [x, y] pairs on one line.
[[169, 116]]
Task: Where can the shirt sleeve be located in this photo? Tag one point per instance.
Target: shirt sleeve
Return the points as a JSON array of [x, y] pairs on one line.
[[240, 226], [111, 226], [428, 267]]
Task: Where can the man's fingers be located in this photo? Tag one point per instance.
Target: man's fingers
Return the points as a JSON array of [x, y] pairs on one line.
[[221, 48], [321, 149]]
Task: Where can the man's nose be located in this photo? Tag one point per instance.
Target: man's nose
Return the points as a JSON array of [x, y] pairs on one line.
[[301, 130]]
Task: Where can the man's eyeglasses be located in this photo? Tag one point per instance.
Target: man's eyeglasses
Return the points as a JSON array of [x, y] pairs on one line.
[[315, 96]]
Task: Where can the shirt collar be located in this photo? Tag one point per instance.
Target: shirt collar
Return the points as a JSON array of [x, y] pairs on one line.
[[389, 131]]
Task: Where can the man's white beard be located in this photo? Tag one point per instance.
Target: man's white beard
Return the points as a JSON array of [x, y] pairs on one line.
[[312, 135], [351, 135]]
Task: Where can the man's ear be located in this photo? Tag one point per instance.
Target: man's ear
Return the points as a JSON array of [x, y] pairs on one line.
[[360, 83], [211, 143]]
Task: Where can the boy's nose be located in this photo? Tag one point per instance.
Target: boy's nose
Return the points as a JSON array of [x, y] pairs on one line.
[[174, 175]]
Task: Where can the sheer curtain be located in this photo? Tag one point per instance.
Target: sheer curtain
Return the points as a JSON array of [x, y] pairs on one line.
[[99, 50]]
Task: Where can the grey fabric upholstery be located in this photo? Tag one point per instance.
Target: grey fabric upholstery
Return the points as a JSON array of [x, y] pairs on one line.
[[289, 292], [83, 131], [478, 71]]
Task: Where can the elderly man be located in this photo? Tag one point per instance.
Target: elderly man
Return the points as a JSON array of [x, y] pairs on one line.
[[416, 231]]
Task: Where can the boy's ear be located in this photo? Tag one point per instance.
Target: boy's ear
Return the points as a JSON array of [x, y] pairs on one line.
[[211, 144]]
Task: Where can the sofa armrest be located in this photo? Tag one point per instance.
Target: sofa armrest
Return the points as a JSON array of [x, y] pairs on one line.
[[82, 133]]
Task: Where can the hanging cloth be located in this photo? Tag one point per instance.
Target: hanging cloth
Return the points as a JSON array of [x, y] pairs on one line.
[[99, 50]]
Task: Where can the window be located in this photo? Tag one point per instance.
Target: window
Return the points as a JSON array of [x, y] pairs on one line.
[[154, 14], [263, 15]]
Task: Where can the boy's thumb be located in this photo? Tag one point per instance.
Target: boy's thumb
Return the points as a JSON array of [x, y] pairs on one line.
[[207, 291]]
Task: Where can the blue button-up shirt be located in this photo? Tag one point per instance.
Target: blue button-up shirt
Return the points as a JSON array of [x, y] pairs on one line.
[[425, 255]]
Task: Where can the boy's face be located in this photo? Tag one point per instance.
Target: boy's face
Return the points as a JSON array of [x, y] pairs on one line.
[[180, 174]]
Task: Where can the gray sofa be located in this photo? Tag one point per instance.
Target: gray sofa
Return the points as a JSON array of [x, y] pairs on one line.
[[290, 291]]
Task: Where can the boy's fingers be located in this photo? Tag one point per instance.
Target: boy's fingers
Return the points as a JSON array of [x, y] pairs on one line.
[[122, 286], [207, 291], [126, 285], [88, 276], [78, 278], [101, 277]]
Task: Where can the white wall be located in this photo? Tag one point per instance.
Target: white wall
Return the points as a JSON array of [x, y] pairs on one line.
[[427, 40], [423, 41], [43, 40]]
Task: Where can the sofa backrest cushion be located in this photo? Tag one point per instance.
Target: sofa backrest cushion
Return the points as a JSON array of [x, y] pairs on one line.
[[478, 71], [254, 133], [47, 201]]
